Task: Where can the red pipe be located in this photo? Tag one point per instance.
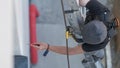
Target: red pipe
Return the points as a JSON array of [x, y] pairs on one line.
[[33, 15]]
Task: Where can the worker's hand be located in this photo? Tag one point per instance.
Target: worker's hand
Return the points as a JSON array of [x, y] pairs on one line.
[[40, 45]]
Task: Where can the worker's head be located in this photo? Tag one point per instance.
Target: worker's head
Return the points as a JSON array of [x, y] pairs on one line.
[[83, 2], [94, 32]]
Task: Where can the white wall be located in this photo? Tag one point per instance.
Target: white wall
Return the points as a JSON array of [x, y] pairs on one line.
[[6, 35]]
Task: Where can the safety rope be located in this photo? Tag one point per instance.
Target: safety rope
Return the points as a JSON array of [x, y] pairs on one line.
[[67, 33]]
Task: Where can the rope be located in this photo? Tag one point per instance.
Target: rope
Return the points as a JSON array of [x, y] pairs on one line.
[[66, 33]]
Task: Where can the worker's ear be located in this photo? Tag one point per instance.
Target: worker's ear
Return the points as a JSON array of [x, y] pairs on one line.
[[116, 22]]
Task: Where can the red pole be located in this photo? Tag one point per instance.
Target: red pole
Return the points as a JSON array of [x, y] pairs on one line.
[[33, 15]]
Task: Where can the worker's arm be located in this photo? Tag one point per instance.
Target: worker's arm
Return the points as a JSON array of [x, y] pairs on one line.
[[59, 49]]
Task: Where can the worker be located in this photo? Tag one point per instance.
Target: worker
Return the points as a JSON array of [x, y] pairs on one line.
[[94, 32]]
